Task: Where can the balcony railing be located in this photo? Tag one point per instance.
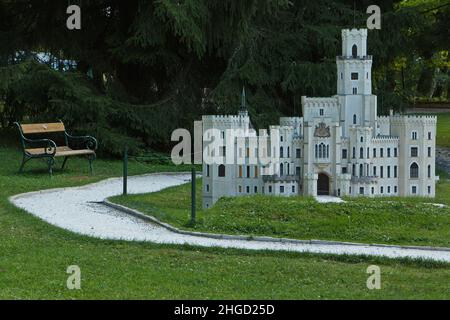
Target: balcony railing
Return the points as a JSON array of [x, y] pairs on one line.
[[369, 57]]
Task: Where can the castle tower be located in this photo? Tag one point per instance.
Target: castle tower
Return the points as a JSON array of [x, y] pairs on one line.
[[354, 81]]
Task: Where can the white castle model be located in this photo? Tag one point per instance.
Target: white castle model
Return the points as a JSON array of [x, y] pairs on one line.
[[339, 147]]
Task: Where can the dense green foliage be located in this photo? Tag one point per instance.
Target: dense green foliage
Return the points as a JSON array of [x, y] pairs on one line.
[[34, 257], [138, 69], [386, 220]]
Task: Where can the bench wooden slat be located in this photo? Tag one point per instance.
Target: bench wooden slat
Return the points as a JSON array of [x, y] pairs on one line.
[[61, 152], [43, 127]]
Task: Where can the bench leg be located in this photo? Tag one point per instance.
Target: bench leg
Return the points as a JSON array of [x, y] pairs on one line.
[[64, 163], [91, 159], [50, 162], [24, 160]]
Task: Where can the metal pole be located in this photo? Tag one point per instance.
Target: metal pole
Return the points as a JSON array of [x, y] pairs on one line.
[[125, 170], [193, 208]]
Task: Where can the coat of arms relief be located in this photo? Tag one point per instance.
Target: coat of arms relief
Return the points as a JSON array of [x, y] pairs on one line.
[[322, 131]]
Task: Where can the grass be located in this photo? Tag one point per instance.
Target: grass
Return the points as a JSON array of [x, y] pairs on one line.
[[381, 220], [34, 257]]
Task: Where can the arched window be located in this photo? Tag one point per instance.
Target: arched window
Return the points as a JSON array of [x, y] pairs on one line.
[[354, 51], [354, 119], [361, 153], [317, 151], [414, 171], [222, 170], [328, 151], [360, 170], [281, 152], [429, 171], [288, 167], [281, 169]]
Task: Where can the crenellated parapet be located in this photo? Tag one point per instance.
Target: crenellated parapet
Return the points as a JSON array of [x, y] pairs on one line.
[[311, 102], [413, 120]]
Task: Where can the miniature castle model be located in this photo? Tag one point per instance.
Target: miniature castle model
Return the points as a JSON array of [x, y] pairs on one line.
[[339, 147]]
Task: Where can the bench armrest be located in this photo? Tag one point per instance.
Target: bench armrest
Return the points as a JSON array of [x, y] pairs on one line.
[[49, 146], [89, 142]]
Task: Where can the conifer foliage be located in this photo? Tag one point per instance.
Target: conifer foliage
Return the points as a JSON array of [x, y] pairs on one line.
[[139, 69]]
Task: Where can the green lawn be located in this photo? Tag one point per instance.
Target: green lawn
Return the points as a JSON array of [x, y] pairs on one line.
[[443, 130], [381, 220], [34, 257]]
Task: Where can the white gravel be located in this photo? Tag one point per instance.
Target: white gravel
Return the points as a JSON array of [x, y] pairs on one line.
[[75, 209]]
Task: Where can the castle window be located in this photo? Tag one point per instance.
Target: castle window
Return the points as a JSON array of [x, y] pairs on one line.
[[361, 153], [344, 153], [293, 189], [281, 169], [395, 152], [361, 139], [288, 152], [389, 189], [298, 153], [395, 171], [355, 90], [414, 189], [389, 152], [354, 51], [429, 135], [368, 153], [354, 76], [316, 151], [248, 171], [367, 75], [328, 151], [256, 171], [353, 170], [247, 189], [354, 153], [374, 171], [207, 170], [288, 167], [247, 152], [354, 119], [414, 135], [221, 170], [381, 172], [388, 171], [297, 171], [207, 188], [281, 138], [429, 171], [344, 170], [240, 171], [240, 189], [414, 151], [414, 171], [281, 189], [381, 190], [429, 152], [361, 170], [395, 189], [281, 152], [374, 152], [361, 190], [342, 76], [270, 189], [256, 189], [381, 152], [321, 112], [373, 190]]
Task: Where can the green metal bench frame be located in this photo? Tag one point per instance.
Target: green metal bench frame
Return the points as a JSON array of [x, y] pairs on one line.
[[50, 149]]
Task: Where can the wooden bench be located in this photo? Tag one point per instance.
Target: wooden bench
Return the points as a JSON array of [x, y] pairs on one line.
[[47, 149]]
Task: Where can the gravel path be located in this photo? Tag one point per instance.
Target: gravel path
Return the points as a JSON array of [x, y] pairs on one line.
[[75, 209]]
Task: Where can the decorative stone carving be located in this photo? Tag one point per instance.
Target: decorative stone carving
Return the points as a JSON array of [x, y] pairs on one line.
[[322, 131]]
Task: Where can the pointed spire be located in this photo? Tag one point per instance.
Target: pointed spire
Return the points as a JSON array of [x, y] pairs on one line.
[[243, 100]]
